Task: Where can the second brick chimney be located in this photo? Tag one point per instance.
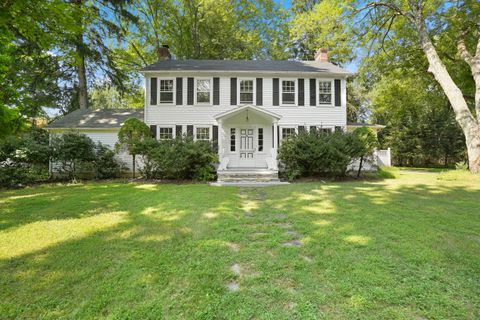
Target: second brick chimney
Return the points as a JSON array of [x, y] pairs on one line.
[[164, 53], [321, 55]]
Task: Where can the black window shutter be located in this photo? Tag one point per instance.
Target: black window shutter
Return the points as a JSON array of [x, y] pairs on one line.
[[153, 91], [190, 131], [338, 93], [313, 128], [190, 91], [215, 138], [301, 92], [276, 92], [216, 91], [259, 91], [178, 130], [313, 94], [233, 91], [215, 133], [153, 131], [301, 129], [179, 97]]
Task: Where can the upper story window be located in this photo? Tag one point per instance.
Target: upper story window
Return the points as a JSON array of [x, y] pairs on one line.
[[204, 91], [288, 92], [246, 91], [325, 92], [166, 90]]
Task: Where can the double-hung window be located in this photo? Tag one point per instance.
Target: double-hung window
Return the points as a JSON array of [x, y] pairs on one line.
[[288, 132], [325, 92], [202, 134], [246, 91], [165, 133], [166, 91], [204, 91], [288, 92]]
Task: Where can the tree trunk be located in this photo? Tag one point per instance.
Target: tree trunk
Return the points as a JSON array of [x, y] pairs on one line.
[[360, 167], [81, 74], [469, 125], [133, 166], [80, 62]]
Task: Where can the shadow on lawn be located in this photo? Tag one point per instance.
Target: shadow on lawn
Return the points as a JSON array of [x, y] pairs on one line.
[[170, 251]]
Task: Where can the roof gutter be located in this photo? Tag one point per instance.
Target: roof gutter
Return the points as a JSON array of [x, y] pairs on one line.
[[312, 73]]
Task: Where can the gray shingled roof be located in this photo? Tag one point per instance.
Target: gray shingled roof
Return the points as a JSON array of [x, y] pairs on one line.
[[99, 118], [246, 65]]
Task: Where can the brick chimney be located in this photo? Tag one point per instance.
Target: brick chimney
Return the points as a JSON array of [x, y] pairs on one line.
[[164, 53], [321, 55]]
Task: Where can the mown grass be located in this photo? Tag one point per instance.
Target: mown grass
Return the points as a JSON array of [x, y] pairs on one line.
[[405, 248]]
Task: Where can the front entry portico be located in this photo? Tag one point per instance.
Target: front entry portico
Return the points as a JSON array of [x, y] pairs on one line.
[[248, 139]]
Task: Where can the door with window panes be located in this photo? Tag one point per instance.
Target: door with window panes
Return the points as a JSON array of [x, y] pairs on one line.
[[250, 142]]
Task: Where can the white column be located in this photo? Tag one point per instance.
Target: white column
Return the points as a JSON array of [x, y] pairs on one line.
[[275, 145], [275, 135], [220, 139]]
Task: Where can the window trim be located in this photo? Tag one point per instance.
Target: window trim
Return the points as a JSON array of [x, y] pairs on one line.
[[165, 126], [195, 102], [332, 84], [210, 133], [254, 102], [174, 90], [295, 93]]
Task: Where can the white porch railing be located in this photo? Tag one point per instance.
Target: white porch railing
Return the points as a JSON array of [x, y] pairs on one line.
[[223, 161], [272, 160]]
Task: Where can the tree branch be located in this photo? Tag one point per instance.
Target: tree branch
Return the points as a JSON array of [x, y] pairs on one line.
[[463, 52]]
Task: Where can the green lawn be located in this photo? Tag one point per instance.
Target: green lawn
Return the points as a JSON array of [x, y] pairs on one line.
[[407, 248]]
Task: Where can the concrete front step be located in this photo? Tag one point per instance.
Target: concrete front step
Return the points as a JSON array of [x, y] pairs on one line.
[[247, 176]]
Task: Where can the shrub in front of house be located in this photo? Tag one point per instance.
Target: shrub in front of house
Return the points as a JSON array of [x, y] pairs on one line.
[[105, 165], [76, 155], [24, 158], [178, 159], [72, 152], [317, 153]]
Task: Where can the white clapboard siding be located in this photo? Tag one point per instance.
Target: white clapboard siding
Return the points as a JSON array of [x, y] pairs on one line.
[[327, 116]]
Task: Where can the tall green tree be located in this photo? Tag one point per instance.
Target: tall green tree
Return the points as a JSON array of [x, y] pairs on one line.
[[322, 24], [206, 29], [437, 28], [420, 125], [31, 75], [86, 48]]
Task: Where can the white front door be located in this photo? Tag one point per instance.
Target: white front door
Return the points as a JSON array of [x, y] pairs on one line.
[[247, 149]]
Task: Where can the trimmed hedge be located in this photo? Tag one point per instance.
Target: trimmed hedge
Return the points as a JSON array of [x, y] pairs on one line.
[[318, 153], [178, 159]]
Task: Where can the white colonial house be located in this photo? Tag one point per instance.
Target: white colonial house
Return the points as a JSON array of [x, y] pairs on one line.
[[246, 108]]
